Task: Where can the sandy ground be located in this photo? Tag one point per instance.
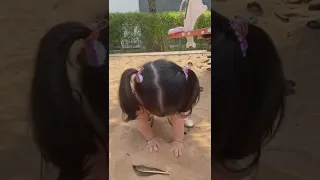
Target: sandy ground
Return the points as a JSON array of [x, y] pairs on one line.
[[293, 155], [127, 144]]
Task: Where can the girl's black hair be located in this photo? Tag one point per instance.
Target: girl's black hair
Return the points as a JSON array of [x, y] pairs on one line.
[[62, 131], [165, 90], [248, 93]]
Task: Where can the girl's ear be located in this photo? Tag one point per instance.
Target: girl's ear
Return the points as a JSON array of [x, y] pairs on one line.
[[100, 51], [290, 87], [96, 53], [95, 50]]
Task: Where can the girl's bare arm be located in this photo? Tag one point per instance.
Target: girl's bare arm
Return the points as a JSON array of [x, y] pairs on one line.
[[177, 127], [144, 125]]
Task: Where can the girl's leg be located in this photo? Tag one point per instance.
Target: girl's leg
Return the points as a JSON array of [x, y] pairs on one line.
[[188, 122]]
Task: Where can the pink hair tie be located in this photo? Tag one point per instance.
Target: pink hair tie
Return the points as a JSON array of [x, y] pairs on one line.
[[139, 77], [185, 70]]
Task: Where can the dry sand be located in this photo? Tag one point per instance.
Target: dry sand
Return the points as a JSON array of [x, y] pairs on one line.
[[293, 155], [127, 145]]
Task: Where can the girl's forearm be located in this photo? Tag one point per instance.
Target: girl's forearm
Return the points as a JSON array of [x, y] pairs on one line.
[[145, 128], [177, 128]]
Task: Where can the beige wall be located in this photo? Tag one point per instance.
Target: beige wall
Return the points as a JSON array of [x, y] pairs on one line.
[[123, 6]]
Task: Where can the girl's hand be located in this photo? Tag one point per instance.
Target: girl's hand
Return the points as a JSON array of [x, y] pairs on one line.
[[178, 134], [153, 144], [177, 148], [144, 125]]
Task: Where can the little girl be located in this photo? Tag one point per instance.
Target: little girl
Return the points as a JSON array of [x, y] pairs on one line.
[[160, 88]]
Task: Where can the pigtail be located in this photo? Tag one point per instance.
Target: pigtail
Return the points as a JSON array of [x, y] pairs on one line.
[[192, 93], [60, 127], [128, 100]]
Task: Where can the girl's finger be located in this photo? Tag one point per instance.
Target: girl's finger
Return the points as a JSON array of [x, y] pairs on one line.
[[176, 153], [155, 148]]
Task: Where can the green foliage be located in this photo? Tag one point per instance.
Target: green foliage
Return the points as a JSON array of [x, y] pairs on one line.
[[149, 31]]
